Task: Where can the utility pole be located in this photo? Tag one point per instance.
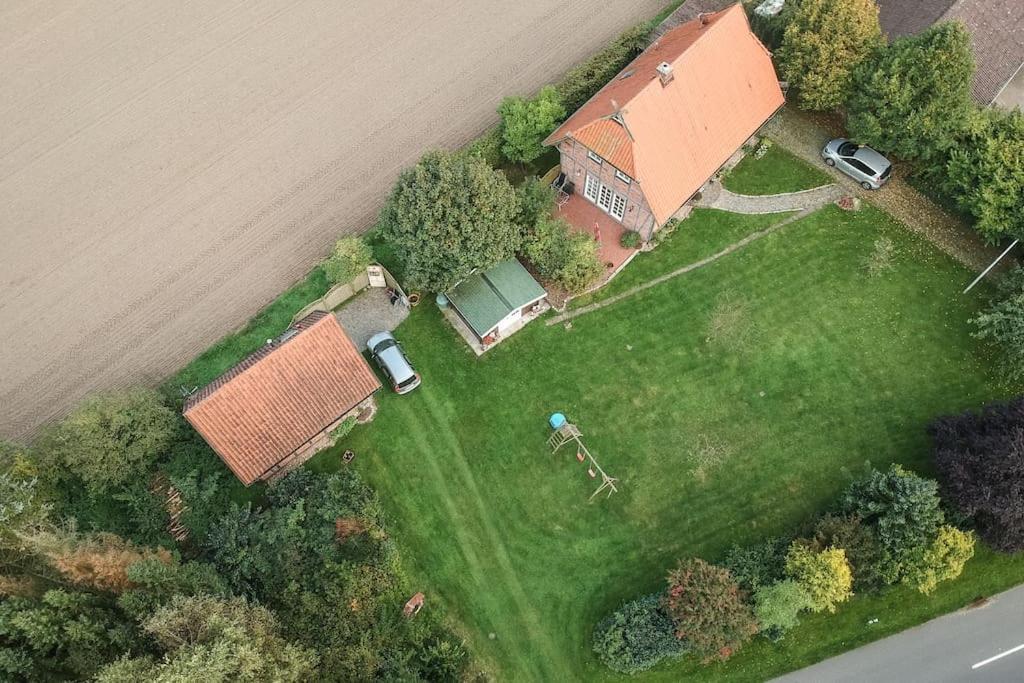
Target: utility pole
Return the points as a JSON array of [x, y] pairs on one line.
[[991, 266]]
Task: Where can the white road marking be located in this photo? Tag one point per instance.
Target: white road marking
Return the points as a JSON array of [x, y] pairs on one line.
[[998, 656]]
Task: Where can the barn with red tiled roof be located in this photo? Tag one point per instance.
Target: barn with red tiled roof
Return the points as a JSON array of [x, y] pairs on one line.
[[278, 407], [650, 138]]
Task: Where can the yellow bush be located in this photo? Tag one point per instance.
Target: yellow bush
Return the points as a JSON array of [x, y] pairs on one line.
[[943, 560], [825, 575]]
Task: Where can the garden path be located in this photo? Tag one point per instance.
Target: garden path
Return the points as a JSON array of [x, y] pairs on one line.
[[735, 246], [717, 197]]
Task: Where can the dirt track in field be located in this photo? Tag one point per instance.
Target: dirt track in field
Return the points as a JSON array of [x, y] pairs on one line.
[[167, 168]]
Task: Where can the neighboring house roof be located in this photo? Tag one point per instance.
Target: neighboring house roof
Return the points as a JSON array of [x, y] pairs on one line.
[[273, 402], [672, 138], [485, 299], [996, 28]]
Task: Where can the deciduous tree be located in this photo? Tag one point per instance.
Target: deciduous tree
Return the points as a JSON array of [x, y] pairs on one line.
[[708, 609], [980, 461], [109, 440], [348, 259], [985, 173], [902, 507], [62, 635], [207, 638], [525, 123], [22, 502], [913, 98], [448, 216], [157, 580], [823, 42], [339, 599]]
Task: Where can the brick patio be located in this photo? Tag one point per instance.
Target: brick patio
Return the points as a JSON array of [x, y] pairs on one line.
[[585, 217]]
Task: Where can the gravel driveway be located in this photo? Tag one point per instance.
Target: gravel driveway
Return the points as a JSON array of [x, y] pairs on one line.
[[803, 136], [369, 313]]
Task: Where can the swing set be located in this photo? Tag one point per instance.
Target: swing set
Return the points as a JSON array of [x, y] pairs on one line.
[[564, 432]]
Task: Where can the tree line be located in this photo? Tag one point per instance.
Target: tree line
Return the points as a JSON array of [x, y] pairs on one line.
[[910, 98], [296, 581]]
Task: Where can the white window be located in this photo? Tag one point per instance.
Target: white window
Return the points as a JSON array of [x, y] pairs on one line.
[[590, 188], [594, 157], [618, 207], [623, 177], [604, 198]]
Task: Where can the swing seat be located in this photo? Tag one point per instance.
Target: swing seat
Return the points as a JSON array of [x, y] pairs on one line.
[[591, 472], [579, 456]]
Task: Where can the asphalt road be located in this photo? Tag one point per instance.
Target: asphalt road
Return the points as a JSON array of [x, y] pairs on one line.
[[980, 644], [168, 167]]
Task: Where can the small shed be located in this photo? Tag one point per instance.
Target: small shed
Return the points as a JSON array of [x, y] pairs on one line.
[[494, 303]]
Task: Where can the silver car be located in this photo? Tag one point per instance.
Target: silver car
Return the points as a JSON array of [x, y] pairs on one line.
[[388, 354], [863, 164]]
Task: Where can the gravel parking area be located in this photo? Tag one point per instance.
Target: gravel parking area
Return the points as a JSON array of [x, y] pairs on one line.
[[802, 135], [369, 313]]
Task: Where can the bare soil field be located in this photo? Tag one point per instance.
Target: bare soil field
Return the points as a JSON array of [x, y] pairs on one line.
[[167, 168]]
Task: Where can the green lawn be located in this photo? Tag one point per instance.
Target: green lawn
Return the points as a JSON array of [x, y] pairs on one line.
[[776, 172], [785, 355], [705, 232]]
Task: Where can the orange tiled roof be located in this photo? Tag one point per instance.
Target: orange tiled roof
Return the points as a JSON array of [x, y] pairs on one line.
[[262, 410], [610, 140], [723, 88]]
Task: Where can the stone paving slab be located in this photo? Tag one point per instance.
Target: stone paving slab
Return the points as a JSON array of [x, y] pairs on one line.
[[717, 197]]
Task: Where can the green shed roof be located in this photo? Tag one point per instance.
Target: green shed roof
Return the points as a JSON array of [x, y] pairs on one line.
[[485, 299]]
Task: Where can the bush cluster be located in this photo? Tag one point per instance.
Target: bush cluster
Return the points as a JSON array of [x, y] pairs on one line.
[[630, 239], [563, 255], [886, 528], [349, 258], [637, 636]]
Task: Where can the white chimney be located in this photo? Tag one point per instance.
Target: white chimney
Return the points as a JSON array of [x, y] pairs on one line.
[[665, 72]]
